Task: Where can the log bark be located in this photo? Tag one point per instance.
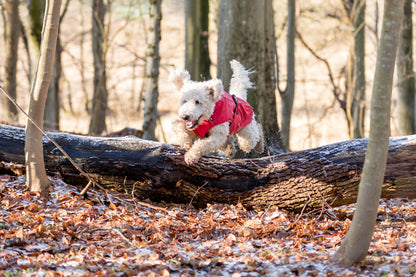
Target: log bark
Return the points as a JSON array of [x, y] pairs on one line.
[[293, 181]]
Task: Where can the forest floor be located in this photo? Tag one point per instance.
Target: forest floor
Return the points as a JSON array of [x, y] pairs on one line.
[[111, 234]]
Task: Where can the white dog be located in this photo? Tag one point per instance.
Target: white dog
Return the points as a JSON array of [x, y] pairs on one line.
[[208, 115]]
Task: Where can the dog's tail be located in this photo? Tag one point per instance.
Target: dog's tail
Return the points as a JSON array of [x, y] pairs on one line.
[[240, 81]]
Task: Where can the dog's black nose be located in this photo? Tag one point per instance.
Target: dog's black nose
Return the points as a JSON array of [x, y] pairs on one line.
[[185, 117]]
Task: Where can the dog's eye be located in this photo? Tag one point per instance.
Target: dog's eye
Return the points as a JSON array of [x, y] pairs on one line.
[[197, 102]]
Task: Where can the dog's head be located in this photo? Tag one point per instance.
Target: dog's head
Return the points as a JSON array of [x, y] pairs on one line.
[[197, 99]]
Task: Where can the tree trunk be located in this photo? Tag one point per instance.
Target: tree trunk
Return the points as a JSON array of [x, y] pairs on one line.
[[245, 33], [12, 39], [36, 176], [355, 91], [354, 247], [358, 102], [288, 94], [311, 178], [51, 117], [152, 71], [33, 29], [82, 61], [406, 112], [100, 97], [197, 61]]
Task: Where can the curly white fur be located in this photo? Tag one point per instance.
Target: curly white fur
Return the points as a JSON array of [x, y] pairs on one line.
[[240, 80], [178, 78], [197, 100]]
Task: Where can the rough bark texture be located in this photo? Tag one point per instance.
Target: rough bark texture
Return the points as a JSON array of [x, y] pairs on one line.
[[311, 178], [406, 79], [152, 71], [246, 33]]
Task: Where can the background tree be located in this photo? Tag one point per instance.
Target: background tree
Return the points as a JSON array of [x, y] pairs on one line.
[[245, 33], [197, 60], [33, 31], [355, 245], [51, 116], [35, 168], [405, 76], [152, 71], [100, 96], [288, 94], [13, 27], [355, 70]]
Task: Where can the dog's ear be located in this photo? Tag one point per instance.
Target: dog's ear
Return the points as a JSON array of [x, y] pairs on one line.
[[215, 89], [178, 78]]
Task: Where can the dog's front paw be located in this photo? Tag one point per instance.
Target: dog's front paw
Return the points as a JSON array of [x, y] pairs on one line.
[[191, 158]]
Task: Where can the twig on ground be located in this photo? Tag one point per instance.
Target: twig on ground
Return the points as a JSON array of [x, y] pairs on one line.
[[196, 192]]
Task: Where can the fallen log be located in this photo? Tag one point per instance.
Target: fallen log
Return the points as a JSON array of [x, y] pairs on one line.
[[327, 175]]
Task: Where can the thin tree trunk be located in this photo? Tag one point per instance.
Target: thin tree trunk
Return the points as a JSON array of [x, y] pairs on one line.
[[51, 119], [355, 70], [288, 95], [197, 61], [205, 61], [406, 112], [349, 91], [245, 33], [100, 97], [82, 59], [152, 71], [33, 30], [36, 175], [12, 39], [358, 102], [355, 245]]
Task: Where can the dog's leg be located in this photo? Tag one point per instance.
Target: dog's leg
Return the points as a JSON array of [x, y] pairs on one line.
[[184, 136], [249, 136], [216, 138], [186, 141], [259, 148], [228, 149]]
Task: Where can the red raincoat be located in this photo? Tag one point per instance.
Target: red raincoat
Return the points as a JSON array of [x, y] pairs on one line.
[[226, 110]]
